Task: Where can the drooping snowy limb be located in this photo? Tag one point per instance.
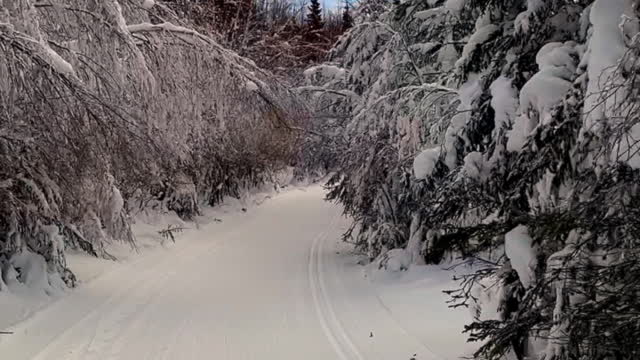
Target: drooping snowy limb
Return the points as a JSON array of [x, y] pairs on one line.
[[345, 93], [68, 80], [37, 49], [45, 4], [428, 88], [234, 60], [148, 27]]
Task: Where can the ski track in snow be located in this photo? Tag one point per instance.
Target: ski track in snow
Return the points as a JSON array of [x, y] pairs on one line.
[[273, 283], [331, 326]]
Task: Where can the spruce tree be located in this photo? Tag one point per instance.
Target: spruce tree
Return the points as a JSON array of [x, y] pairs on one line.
[[347, 19], [314, 17]]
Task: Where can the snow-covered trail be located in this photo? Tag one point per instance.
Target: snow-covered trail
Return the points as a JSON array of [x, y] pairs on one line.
[[271, 283]]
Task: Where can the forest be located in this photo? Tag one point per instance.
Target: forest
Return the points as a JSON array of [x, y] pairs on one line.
[[498, 136]]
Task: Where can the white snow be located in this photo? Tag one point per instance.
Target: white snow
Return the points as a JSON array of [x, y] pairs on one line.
[[534, 5], [522, 20], [467, 95], [324, 73], [166, 26], [423, 48], [6, 183], [519, 248], [148, 4], [427, 14], [556, 264], [31, 271], [455, 5], [56, 61], [475, 167], [57, 241], [274, 282], [115, 203], [489, 294], [610, 21], [504, 101], [416, 240], [425, 163], [25, 286], [606, 47], [548, 86], [251, 86], [543, 91], [480, 36], [517, 136], [37, 193], [395, 260], [415, 300], [556, 54]]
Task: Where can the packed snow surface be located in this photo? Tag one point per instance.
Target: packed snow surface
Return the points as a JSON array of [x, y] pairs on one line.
[[274, 282]]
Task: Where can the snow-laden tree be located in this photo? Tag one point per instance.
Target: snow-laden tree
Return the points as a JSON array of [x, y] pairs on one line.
[[503, 132], [347, 19], [314, 16], [111, 106], [389, 90]]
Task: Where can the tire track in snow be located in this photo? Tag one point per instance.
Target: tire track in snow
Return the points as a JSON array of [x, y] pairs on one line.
[[94, 313], [139, 314], [331, 326], [144, 280], [138, 318]]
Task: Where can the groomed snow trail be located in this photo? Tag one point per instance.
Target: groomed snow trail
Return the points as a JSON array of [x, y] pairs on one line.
[[272, 283]]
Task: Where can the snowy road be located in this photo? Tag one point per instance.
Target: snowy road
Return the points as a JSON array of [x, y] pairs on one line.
[[269, 284]]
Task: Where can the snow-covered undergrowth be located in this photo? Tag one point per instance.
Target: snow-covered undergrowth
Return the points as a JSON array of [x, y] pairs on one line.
[[112, 107], [504, 133]]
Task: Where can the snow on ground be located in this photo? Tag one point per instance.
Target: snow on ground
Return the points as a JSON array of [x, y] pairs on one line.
[[273, 282], [414, 298]]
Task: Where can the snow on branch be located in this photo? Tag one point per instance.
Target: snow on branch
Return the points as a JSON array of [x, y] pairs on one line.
[[345, 93], [166, 26], [36, 48]]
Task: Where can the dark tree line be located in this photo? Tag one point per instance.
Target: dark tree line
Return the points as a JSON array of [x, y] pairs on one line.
[[279, 35]]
